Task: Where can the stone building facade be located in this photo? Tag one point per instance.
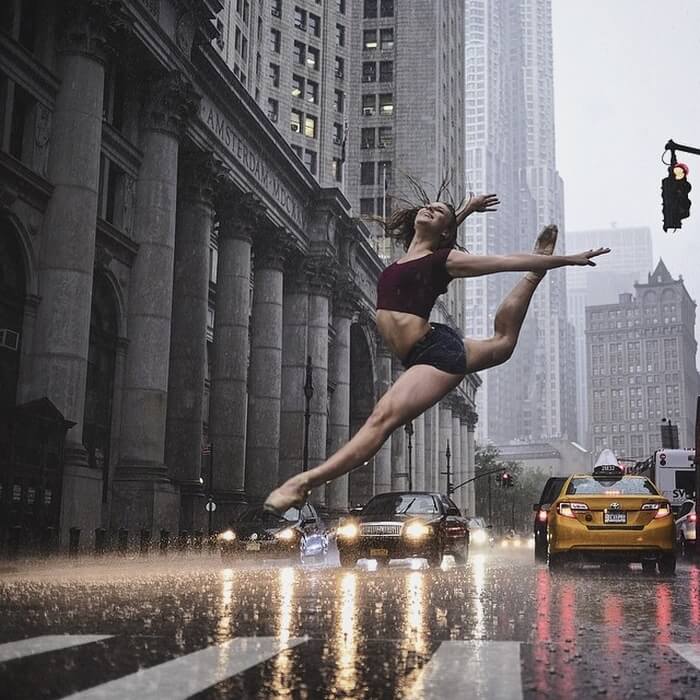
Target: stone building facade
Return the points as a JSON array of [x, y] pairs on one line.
[[641, 356], [168, 266]]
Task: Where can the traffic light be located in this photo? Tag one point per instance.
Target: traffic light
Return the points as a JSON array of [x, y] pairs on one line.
[[674, 194], [506, 480]]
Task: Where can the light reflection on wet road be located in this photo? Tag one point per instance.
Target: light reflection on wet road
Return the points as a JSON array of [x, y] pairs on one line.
[[394, 632]]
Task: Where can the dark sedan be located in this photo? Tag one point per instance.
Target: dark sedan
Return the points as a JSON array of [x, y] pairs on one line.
[[550, 493], [299, 536], [404, 525]]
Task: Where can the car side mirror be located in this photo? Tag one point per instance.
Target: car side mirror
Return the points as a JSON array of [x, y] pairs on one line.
[[489, 527], [356, 510]]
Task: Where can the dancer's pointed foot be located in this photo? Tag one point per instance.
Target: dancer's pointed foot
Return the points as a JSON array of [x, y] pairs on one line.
[[292, 494], [544, 245]]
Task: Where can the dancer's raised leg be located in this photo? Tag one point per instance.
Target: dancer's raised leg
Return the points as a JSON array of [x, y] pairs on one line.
[[489, 352], [416, 390]]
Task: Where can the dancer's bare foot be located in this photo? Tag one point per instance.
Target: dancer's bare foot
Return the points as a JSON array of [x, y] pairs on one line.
[[544, 245], [292, 494]]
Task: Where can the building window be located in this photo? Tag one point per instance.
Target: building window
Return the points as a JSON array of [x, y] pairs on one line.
[[315, 24], [275, 40], [386, 71], [386, 138], [369, 72], [337, 133], [299, 53], [369, 39], [387, 8], [312, 57], [366, 206], [339, 68], [337, 167], [297, 85], [339, 35], [386, 104], [295, 122], [339, 101], [311, 92], [273, 109], [369, 105], [367, 138], [300, 18], [298, 150], [367, 173], [386, 37], [340, 6], [370, 9], [275, 75], [276, 8], [244, 48], [310, 161], [310, 126]]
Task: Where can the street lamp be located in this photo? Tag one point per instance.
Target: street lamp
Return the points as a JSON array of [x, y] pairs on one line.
[[669, 434], [448, 473], [308, 393], [409, 431]]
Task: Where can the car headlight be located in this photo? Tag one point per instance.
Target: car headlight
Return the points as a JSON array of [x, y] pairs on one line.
[[415, 530], [227, 536], [479, 537], [349, 531], [289, 533]]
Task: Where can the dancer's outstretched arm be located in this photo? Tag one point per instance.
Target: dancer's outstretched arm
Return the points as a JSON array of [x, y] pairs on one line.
[[465, 265]]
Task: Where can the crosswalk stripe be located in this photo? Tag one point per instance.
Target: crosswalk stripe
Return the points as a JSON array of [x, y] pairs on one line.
[[481, 670], [690, 652], [187, 675], [48, 642]]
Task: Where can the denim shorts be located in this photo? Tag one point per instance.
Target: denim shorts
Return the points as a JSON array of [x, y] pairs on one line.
[[441, 347]]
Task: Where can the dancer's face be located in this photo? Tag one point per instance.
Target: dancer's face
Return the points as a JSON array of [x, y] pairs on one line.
[[434, 219]]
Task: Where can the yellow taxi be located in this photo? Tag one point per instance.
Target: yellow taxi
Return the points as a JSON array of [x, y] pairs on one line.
[[608, 516]]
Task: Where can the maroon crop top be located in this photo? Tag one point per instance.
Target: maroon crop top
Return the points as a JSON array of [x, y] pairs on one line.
[[414, 285]]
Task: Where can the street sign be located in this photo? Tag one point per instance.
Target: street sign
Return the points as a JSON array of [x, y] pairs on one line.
[[210, 506]]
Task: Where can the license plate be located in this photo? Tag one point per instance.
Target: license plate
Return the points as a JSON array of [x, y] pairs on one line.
[[379, 552], [616, 518], [253, 547]]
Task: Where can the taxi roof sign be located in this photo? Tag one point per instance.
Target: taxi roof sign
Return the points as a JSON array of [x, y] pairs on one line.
[[608, 470], [606, 459]]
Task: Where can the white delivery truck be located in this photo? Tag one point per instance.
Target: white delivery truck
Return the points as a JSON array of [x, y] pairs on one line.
[[673, 472]]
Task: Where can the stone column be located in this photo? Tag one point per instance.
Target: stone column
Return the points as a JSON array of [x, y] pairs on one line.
[[399, 455], [445, 436], [456, 447], [144, 496], [65, 269], [344, 306], [419, 453], [322, 268], [228, 399], [464, 492], [295, 316], [382, 460], [428, 445], [265, 378], [472, 418], [199, 176]]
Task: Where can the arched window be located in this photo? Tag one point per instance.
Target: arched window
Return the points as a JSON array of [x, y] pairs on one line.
[[99, 388], [12, 295]]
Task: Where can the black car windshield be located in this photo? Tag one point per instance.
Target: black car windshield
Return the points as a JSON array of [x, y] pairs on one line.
[[399, 504], [630, 486], [257, 514]]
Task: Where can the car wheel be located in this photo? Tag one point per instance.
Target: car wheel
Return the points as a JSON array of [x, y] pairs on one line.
[[540, 550], [347, 560], [461, 555], [667, 564], [649, 566], [435, 558]]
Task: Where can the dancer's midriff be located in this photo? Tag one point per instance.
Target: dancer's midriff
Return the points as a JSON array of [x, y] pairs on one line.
[[400, 331]]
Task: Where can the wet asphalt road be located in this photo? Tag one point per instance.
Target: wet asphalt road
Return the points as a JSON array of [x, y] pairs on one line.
[[501, 627]]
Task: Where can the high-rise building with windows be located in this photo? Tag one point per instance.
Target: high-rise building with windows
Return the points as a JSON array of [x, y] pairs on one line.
[[615, 274], [642, 366], [510, 150]]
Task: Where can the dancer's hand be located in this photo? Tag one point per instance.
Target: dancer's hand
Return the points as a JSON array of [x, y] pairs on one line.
[[583, 259], [481, 202]]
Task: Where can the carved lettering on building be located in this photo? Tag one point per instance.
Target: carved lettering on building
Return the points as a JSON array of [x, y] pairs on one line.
[[250, 158]]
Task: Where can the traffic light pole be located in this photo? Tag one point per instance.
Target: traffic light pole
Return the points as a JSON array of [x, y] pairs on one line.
[[697, 450], [474, 478], [673, 146]]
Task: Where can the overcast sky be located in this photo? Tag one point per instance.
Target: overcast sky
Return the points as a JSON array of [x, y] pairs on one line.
[[627, 79]]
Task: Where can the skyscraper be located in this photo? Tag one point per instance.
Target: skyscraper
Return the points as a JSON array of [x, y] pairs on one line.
[[616, 274], [510, 149]]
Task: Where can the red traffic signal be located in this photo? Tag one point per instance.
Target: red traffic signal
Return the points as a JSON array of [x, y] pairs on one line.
[[674, 194]]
